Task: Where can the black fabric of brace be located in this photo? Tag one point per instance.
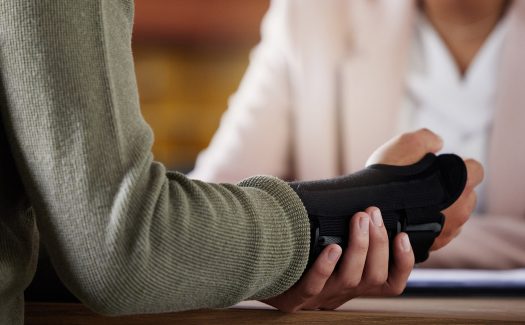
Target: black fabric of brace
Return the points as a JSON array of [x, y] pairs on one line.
[[410, 198]]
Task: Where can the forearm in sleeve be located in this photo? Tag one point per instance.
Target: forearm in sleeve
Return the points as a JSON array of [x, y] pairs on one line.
[[125, 235]]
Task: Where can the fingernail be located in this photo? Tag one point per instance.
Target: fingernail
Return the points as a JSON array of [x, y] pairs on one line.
[[405, 243], [377, 219], [363, 224], [333, 255]]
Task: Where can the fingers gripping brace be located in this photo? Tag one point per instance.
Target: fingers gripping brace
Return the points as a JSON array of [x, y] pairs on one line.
[[411, 199]]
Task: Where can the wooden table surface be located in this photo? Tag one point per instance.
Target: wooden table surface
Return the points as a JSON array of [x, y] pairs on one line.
[[358, 311]]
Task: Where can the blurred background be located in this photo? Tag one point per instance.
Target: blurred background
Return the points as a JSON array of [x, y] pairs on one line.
[[190, 56]]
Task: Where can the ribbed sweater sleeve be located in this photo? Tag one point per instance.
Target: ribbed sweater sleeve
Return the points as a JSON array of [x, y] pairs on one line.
[[125, 235]]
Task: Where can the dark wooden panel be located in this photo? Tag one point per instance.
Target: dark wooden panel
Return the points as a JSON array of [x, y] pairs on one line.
[[232, 21]]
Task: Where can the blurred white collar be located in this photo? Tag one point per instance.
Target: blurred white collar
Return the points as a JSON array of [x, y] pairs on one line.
[[437, 85]]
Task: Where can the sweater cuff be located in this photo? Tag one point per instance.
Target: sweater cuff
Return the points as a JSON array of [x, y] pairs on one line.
[[298, 226]]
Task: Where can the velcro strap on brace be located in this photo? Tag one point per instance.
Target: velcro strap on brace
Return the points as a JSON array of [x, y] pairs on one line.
[[410, 198]]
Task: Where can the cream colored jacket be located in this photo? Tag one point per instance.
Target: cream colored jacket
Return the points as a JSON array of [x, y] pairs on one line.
[[324, 89]]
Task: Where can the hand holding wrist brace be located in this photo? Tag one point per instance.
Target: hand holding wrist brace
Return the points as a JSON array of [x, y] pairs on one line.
[[410, 198]]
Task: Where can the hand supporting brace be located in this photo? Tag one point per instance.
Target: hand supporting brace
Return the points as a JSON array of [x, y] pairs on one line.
[[410, 198]]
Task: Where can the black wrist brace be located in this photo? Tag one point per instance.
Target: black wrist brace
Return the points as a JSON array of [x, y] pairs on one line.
[[410, 198]]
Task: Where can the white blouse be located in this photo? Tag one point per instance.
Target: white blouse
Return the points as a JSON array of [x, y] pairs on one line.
[[458, 108]]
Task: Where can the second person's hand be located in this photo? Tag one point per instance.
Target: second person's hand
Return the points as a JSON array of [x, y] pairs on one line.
[[408, 149]]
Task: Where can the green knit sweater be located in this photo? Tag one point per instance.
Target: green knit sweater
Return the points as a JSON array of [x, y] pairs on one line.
[[125, 235]]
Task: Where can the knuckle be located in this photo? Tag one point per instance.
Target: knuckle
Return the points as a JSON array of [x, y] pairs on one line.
[[397, 289], [426, 134], [309, 292], [428, 140], [464, 215], [360, 251], [438, 242], [464, 218], [410, 139], [376, 279], [468, 208], [462, 212], [382, 238], [323, 272], [473, 199], [425, 131], [474, 165], [359, 246], [351, 282], [475, 172]]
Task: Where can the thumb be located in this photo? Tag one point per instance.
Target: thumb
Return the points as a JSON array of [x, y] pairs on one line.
[[430, 140]]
